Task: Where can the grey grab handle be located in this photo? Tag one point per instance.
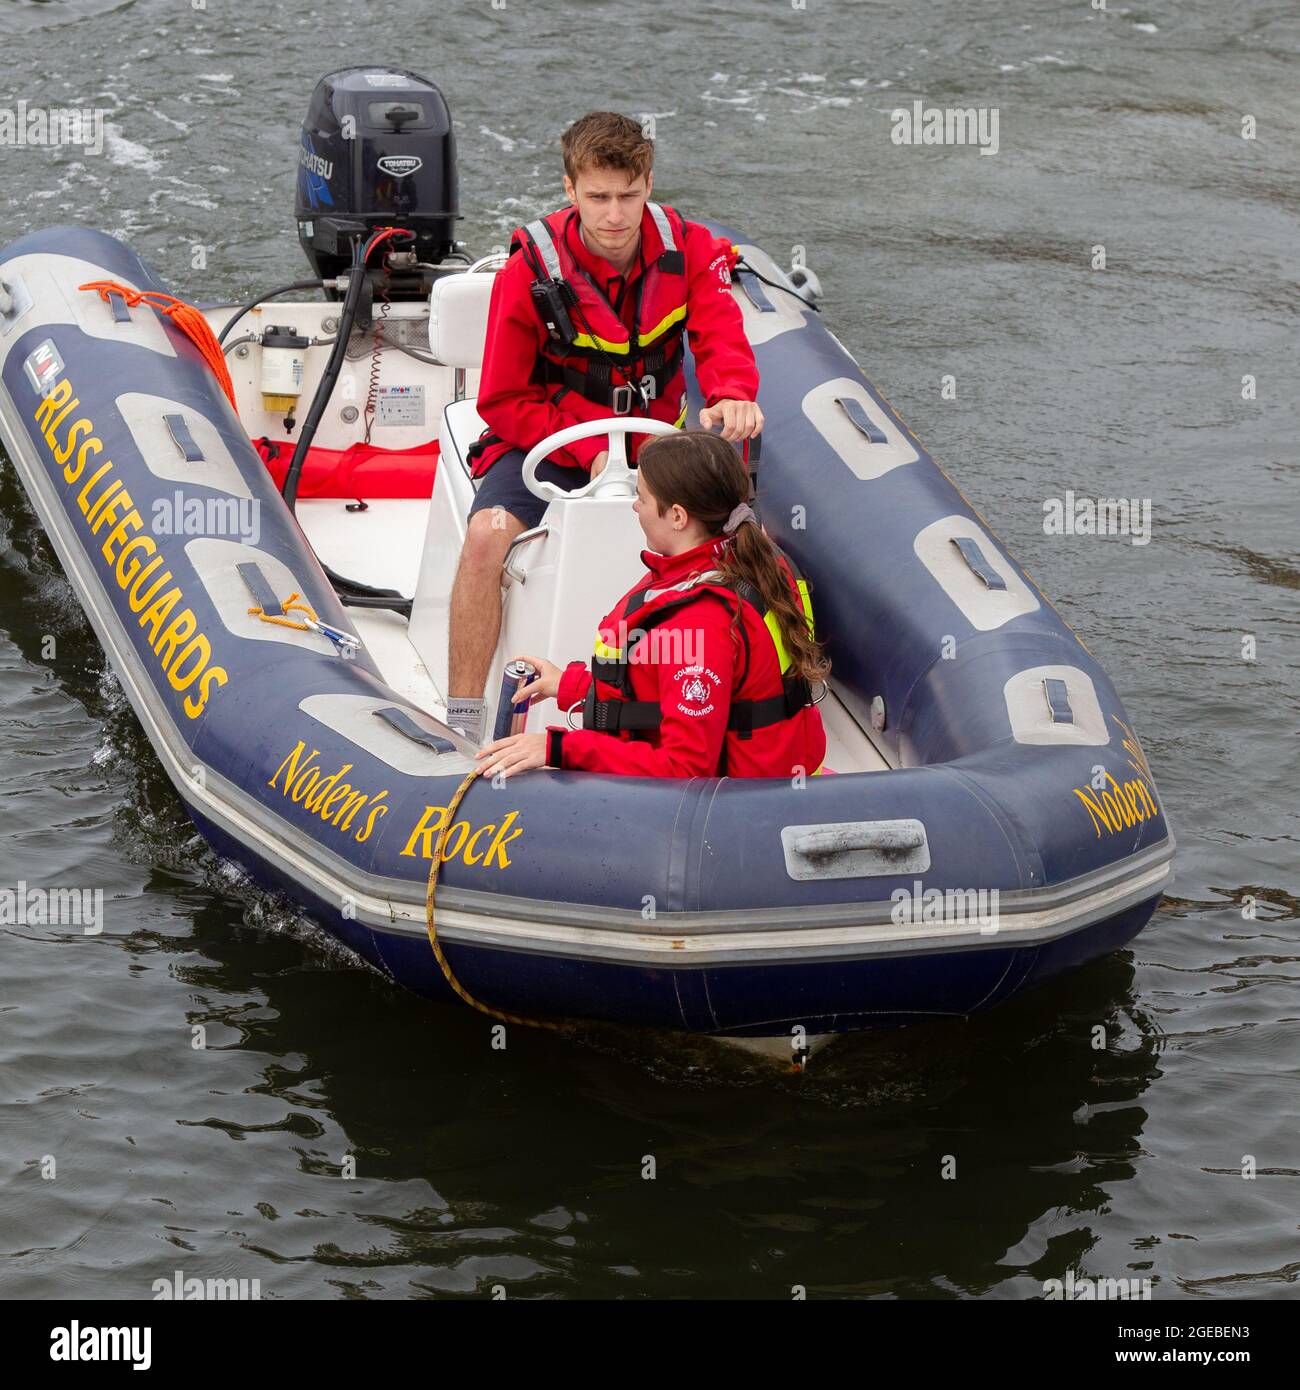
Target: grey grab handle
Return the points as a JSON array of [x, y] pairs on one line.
[[816, 844], [182, 438], [400, 720], [860, 420], [260, 587], [1058, 701], [855, 849], [977, 564], [754, 291]]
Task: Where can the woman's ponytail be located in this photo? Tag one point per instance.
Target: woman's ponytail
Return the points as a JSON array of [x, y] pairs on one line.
[[702, 473], [752, 556]]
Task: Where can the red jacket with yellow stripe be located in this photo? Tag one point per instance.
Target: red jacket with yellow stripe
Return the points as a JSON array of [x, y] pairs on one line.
[[701, 670], [625, 324]]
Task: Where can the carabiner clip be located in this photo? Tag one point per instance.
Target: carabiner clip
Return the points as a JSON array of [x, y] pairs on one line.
[[347, 644]]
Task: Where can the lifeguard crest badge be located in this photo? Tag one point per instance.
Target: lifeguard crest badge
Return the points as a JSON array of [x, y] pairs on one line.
[[696, 685]]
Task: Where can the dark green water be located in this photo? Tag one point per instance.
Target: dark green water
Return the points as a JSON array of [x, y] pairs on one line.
[[523, 1169]]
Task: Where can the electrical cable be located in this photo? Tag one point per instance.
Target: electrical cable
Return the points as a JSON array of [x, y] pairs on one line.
[[262, 298], [743, 264]]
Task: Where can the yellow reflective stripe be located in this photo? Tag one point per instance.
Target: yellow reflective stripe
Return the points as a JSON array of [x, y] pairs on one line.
[[769, 619], [681, 419], [664, 324], [608, 653], [805, 598], [593, 340], [588, 340]]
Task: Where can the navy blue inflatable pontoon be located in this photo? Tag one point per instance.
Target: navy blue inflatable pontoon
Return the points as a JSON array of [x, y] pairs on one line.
[[992, 820]]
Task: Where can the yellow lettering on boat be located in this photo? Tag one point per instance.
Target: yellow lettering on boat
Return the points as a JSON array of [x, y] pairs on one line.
[[337, 803], [1121, 805], [430, 822], [132, 521], [57, 397], [463, 839], [353, 810], [371, 816], [106, 505], [73, 471], [1095, 810], [79, 428], [292, 763]]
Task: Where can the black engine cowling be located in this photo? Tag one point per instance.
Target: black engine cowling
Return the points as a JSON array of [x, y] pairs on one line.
[[377, 150]]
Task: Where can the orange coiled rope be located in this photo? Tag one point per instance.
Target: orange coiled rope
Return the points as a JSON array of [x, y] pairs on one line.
[[185, 316]]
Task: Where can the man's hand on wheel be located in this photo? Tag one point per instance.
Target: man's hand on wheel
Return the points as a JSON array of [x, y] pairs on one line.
[[599, 462], [739, 419]]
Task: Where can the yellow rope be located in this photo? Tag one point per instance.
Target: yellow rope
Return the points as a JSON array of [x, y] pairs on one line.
[[554, 1025], [291, 604]]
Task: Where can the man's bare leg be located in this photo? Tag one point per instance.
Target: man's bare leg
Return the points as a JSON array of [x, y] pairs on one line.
[[475, 616]]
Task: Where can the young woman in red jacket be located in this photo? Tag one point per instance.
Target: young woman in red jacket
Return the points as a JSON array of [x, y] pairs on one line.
[[706, 667]]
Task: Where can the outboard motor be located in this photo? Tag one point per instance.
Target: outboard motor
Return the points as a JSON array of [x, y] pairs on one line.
[[377, 150]]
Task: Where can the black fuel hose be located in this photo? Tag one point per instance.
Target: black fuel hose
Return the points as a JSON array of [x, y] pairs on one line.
[[350, 591], [325, 387]]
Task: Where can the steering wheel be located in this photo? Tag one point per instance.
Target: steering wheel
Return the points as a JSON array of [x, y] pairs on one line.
[[616, 478]]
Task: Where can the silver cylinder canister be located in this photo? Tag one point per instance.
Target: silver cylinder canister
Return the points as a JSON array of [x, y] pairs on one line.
[[512, 718]]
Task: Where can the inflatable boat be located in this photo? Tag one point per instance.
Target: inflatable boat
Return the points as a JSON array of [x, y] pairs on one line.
[[991, 822]]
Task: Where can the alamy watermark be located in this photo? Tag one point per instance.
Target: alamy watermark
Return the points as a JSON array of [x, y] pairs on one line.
[[77, 1343], [178, 1288], [23, 124], [1078, 1288], [238, 518], [21, 906], [1102, 516], [946, 125], [656, 646], [977, 906]]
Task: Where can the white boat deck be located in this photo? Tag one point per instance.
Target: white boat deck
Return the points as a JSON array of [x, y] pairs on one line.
[[381, 546]]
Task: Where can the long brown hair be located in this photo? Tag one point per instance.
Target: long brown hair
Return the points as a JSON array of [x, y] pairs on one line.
[[705, 476]]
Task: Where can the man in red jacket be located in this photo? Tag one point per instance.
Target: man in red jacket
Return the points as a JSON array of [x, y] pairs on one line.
[[586, 321]]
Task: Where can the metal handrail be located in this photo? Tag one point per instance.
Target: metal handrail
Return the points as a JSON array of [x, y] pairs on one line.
[[521, 539]]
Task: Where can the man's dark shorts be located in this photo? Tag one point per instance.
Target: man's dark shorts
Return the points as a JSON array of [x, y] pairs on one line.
[[503, 486]]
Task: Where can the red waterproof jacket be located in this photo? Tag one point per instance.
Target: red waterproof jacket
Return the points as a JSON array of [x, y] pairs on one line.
[[695, 666], [520, 409]]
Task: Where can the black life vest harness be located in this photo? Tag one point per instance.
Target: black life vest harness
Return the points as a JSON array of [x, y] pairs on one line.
[[648, 607]]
